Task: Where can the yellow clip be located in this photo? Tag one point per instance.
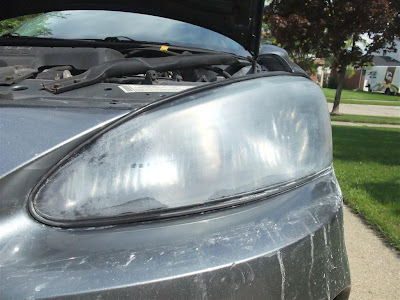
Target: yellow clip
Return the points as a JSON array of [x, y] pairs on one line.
[[164, 48]]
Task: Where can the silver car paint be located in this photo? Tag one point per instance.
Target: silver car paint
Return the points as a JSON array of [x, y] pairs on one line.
[[29, 132], [283, 247]]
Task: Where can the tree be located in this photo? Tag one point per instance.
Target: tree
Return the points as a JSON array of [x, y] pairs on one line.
[[31, 25], [337, 29], [307, 61], [9, 24]]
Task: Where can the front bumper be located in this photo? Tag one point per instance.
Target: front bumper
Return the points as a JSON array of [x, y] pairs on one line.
[[290, 246]]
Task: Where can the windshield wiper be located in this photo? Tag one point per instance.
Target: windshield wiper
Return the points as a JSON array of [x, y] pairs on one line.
[[10, 35], [118, 39], [111, 42], [17, 36], [122, 38], [123, 44]]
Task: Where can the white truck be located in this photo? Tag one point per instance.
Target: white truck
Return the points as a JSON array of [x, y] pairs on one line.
[[383, 79]]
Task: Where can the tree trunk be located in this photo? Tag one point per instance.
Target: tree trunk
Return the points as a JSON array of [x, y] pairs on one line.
[[335, 109]]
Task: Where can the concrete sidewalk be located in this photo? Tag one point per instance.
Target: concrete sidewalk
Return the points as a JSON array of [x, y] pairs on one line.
[[367, 110], [374, 267], [364, 124]]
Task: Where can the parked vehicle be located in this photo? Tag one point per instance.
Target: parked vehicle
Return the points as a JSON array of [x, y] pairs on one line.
[[152, 150], [383, 79]]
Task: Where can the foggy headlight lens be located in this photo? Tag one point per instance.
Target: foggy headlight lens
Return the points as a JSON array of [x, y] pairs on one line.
[[196, 151]]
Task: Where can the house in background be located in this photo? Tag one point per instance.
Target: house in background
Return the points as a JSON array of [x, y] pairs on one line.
[[394, 55], [315, 76], [358, 80], [383, 76], [382, 60]]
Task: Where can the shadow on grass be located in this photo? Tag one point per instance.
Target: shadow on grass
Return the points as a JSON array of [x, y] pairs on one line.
[[381, 145], [386, 193]]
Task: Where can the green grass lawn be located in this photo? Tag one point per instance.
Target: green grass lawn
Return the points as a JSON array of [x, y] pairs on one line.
[[359, 95], [367, 165], [366, 119], [378, 102]]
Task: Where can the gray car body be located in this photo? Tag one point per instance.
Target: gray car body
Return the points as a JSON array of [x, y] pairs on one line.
[[281, 244], [286, 246]]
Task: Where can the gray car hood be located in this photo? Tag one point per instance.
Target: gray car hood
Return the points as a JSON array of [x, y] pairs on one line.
[[238, 20], [27, 133]]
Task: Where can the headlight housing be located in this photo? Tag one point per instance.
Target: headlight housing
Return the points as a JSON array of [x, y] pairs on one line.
[[195, 152]]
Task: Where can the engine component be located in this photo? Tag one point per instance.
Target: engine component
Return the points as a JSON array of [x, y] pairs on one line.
[[133, 66], [55, 73], [14, 74], [38, 57]]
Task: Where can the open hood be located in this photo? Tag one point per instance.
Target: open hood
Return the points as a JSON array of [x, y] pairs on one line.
[[237, 19]]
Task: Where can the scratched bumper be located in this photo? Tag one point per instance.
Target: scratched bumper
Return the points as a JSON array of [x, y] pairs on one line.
[[285, 247]]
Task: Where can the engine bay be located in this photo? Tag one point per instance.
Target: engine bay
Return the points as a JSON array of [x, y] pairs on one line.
[[123, 78]]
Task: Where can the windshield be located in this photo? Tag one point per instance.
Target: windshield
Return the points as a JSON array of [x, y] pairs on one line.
[[86, 24]]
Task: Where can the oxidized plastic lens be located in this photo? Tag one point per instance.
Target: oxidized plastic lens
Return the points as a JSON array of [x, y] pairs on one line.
[[235, 139]]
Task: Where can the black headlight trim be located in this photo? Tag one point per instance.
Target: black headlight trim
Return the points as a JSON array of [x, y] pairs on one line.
[[215, 205]]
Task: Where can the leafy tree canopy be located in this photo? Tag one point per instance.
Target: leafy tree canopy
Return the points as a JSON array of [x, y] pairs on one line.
[[9, 24], [335, 29]]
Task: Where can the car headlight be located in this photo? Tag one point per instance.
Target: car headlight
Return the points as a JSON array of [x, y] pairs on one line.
[[200, 151]]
